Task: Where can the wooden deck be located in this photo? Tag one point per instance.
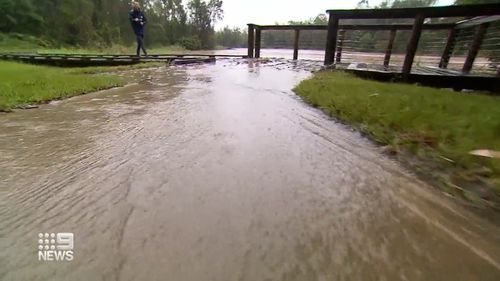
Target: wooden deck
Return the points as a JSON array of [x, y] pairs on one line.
[[480, 20], [430, 76]]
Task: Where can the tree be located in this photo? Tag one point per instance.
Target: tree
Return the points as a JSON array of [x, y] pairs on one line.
[[203, 16], [231, 37], [19, 16], [101, 23]]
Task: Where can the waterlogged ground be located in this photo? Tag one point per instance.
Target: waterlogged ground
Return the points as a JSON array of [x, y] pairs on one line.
[[219, 172]]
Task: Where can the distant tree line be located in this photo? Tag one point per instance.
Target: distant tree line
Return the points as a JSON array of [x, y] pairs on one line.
[[105, 22], [102, 23]]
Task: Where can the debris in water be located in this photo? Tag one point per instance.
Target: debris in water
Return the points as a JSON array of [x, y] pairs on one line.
[[28, 106], [486, 153]]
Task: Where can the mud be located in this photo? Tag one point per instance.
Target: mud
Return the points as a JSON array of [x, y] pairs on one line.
[[220, 172]]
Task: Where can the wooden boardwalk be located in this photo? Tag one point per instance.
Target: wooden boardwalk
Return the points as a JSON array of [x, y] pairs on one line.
[[430, 76], [480, 20], [72, 60]]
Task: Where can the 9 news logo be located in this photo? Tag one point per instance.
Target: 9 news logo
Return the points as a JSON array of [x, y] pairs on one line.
[[55, 246]]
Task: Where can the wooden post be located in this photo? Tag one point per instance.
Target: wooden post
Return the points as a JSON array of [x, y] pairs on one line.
[[412, 46], [331, 39], [296, 44], [448, 49], [388, 52], [258, 40], [251, 40], [338, 58], [474, 48]]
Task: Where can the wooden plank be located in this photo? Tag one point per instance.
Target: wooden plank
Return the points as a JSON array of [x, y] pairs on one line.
[[331, 39], [258, 41], [488, 83], [412, 46], [388, 51], [296, 44], [475, 46], [251, 40], [429, 12], [294, 27], [448, 49], [193, 61]]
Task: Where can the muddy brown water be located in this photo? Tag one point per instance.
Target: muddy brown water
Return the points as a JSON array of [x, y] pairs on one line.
[[219, 172]]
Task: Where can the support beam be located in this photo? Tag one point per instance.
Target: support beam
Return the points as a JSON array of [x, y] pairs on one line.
[[258, 41], [296, 44], [430, 26], [340, 45], [411, 48], [475, 46], [251, 40], [448, 49], [331, 39], [388, 51]]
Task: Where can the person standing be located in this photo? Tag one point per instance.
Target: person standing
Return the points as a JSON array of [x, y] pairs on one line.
[[138, 21]]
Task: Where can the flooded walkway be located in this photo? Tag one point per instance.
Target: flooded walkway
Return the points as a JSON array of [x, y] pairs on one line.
[[219, 172]]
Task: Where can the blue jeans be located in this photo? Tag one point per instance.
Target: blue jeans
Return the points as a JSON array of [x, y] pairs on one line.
[[140, 44]]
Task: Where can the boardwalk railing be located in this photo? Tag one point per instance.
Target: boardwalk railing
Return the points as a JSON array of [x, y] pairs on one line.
[[419, 16], [454, 47], [255, 36], [72, 60]]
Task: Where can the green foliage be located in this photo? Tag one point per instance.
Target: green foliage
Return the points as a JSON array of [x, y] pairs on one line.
[[103, 23], [19, 16], [429, 123], [190, 43], [203, 16], [28, 84], [408, 3], [232, 37]]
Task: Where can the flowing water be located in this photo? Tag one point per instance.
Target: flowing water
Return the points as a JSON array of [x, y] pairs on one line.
[[219, 172]]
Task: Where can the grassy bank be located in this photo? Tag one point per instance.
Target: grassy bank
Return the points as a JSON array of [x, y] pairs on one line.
[[432, 130], [28, 44], [23, 84]]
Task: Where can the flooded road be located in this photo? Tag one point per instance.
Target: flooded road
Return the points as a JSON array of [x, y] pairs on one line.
[[219, 172]]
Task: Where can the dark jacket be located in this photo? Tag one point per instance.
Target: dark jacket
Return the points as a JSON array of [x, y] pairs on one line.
[[136, 18]]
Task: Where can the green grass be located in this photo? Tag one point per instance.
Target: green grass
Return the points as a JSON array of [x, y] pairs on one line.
[[433, 130], [19, 43], [23, 84]]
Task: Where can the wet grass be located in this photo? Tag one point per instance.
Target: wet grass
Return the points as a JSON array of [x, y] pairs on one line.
[[18, 43], [432, 130], [25, 84]]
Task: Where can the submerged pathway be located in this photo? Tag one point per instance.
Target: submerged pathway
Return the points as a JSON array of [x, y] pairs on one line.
[[219, 172]]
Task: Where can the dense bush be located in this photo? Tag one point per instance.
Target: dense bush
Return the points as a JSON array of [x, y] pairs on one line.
[[99, 23], [190, 43]]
